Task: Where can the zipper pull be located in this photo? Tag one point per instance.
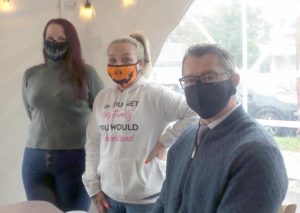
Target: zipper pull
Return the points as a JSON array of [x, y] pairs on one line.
[[193, 153]]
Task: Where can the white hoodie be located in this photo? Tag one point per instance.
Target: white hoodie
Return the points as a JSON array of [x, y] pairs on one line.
[[123, 129]]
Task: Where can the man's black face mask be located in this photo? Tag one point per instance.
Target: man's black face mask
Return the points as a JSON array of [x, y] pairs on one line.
[[208, 101]]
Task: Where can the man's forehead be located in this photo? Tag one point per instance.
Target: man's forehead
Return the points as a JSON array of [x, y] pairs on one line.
[[199, 63], [208, 58]]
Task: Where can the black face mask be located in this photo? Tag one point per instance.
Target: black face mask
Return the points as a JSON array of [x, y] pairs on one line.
[[208, 101], [56, 50]]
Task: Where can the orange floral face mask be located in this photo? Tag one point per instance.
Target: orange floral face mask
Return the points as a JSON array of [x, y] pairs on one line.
[[123, 75]]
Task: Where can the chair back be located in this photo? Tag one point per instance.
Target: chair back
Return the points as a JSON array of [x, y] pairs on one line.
[[288, 208]]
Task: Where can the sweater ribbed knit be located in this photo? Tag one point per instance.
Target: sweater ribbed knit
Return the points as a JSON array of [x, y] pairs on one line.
[[238, 168], [57, 118]]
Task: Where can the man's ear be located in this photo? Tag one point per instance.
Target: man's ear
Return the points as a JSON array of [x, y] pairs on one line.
[[235, 79]]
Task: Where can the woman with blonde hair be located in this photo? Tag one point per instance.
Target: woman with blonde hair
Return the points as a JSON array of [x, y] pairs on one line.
[[128, 131]]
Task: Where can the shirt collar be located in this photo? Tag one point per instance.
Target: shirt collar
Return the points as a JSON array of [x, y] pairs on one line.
[[216, 122], [56, 64]]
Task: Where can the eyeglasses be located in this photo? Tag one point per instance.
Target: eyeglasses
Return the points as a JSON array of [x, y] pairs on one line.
[[207, 79]]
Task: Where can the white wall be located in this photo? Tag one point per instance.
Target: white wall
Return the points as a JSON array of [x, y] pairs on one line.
[[21, 47]]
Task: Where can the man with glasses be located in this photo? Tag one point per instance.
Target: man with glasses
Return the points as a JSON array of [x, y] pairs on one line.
[[228, 163]]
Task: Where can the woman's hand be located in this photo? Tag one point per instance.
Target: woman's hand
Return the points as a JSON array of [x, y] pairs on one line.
[[159, 151], [100, 202]]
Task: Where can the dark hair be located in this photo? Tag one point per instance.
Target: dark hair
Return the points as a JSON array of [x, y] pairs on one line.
[[74, 61], [224, 56]]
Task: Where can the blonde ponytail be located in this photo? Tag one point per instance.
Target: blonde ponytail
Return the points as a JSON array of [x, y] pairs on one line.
[[146, 51]]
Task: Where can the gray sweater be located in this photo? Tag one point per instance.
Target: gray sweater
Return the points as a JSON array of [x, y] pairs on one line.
[[237, 168], [57, 118]]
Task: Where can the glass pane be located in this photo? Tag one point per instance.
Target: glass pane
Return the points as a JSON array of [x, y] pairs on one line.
[[265, 43]]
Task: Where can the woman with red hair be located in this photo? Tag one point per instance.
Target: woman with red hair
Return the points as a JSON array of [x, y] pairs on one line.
[[58, 97]]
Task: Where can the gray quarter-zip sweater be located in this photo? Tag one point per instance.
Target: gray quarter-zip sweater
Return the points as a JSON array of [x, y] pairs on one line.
[[57, 118], [237, 168]]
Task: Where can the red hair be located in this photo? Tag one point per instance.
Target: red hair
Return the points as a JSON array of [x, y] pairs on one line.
[[74, 61]]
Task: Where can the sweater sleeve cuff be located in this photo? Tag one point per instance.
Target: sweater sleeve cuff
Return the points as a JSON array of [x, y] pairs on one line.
[[166, 139], [92, 187], [94, 192]]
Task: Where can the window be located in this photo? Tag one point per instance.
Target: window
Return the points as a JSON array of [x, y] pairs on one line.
[[265, 53], [264, 38]]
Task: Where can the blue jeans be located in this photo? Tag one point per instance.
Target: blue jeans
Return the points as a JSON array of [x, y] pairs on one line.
[[119, 207], [55, 176]]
